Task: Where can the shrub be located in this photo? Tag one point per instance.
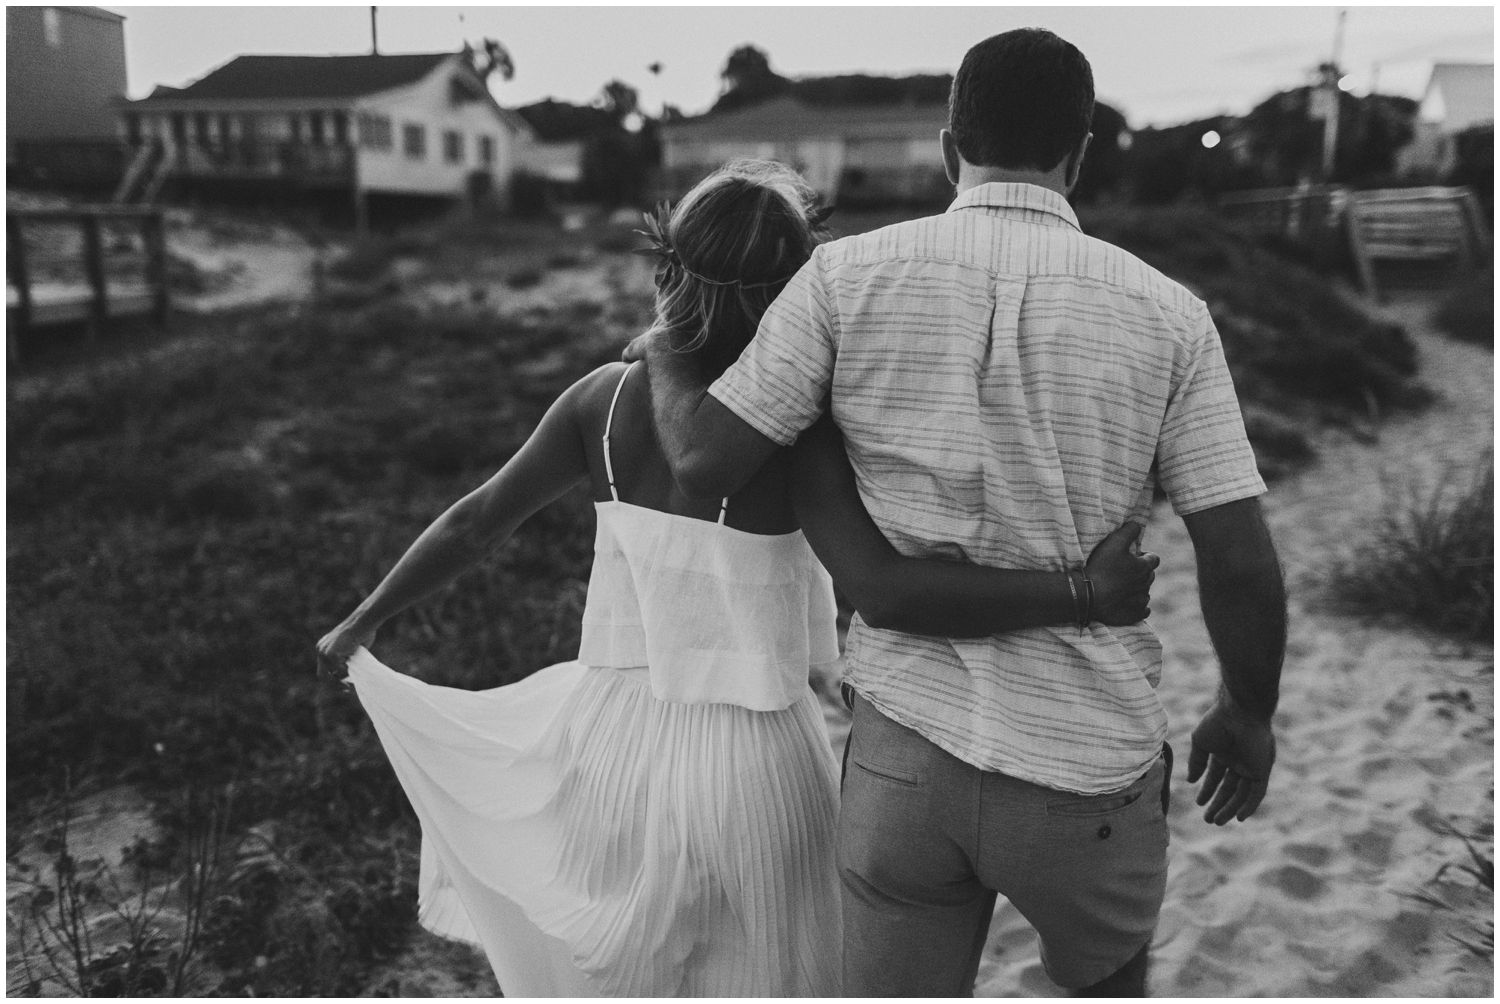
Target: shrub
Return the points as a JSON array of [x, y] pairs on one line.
[[1468, 313], [1294, 345], [1431, 560]]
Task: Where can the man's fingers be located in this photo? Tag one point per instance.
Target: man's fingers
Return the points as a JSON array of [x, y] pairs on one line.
[[1197, 760], [1257, 795], [1152, 557], [1228, 798], [1211, 780]]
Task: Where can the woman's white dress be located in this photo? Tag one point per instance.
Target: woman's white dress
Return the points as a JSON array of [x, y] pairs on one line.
[[657, 817]]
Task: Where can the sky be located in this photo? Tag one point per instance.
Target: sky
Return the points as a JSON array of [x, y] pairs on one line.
[[1157, 65]]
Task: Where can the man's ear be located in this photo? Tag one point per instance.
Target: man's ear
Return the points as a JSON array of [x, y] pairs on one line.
[[1075, 163], [951, 158]]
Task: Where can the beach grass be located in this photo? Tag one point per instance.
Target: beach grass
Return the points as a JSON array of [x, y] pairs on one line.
[[1430, 560]]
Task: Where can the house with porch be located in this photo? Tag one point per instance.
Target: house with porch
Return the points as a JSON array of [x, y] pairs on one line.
[[1459, 97], [850, 154], [419, 124]]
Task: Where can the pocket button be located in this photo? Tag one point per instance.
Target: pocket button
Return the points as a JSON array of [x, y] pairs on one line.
[[1104, 832]]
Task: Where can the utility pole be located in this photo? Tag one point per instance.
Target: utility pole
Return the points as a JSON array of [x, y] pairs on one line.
[[374, 35], [1330, 85]]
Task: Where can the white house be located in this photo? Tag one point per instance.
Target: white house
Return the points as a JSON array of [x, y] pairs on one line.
[[412, 124], [848, 153], [1459, 96]]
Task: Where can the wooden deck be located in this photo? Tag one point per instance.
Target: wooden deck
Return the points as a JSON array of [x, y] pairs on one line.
[[88, 265]]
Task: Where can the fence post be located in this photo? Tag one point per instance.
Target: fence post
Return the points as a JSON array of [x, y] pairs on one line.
[[93, 264], [15, 261]]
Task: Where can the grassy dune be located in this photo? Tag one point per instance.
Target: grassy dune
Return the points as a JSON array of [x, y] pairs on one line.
[[182, 528]]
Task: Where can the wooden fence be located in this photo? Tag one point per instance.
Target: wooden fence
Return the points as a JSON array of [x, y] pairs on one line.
[[87, 264], [1442, 226], [1410, 225]]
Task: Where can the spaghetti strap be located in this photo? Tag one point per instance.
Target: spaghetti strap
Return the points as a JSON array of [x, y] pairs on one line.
[[609, 465], [609, 421]]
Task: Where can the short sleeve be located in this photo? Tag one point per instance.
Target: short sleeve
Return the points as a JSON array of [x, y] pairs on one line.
[[1204, 458], [781, 381]]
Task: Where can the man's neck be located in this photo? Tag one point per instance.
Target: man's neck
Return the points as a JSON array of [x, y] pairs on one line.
[[970, 176]]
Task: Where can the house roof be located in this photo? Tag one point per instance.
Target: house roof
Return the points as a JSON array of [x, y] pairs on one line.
[[788, 118], [1460, 95], [98, 12], [259, 78]]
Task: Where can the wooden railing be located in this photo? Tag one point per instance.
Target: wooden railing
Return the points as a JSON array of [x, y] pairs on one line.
[[1431, 225], [59, 269], [1438, 225]]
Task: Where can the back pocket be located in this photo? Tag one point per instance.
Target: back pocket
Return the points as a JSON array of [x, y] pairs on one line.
[[885, 773]]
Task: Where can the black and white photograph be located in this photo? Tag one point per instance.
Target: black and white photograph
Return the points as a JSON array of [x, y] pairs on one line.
[[750, 501]]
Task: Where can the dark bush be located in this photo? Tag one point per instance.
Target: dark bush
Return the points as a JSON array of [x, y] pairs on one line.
[[1468, 313]]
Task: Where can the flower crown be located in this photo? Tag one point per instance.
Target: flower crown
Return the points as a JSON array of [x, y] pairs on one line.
[[667, 257]]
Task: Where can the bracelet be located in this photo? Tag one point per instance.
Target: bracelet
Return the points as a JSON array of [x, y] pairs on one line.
[[1088, 605], [1073, 591]]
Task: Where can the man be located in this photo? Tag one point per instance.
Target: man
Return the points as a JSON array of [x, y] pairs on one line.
[[1009, 390]]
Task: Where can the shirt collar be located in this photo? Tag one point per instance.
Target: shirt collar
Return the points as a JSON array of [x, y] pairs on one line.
[[1017, 195]]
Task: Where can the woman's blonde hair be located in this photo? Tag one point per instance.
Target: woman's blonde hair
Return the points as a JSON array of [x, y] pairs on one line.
[[726, 251]]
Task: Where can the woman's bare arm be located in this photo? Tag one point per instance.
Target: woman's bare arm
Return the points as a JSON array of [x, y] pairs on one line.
[[935, 597], [551, 462]]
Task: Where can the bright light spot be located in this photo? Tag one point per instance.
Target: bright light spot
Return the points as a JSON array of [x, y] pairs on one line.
[[1346, 82], [634, 121], [1211, 139], [1125, 140]]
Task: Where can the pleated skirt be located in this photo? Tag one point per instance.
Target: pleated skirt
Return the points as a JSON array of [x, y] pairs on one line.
[[597, 841]]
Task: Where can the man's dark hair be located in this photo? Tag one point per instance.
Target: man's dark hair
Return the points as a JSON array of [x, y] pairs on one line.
[[1021, 99]]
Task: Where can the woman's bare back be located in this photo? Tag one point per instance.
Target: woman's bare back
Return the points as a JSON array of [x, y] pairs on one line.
[[641, 474]]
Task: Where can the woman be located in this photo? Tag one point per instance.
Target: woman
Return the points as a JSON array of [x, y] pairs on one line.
[[656, 818]]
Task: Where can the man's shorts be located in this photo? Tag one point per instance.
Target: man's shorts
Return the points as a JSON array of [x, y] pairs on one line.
[[927, 840]]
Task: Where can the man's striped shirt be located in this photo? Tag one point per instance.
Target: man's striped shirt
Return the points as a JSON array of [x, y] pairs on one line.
[[1010, 390]]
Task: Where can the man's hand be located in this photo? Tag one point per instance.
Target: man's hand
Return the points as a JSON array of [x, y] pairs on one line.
[[1122, 575], [1237, 751], [335, 648]]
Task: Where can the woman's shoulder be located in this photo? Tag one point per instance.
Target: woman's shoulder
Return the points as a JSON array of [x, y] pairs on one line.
[[591, 394]]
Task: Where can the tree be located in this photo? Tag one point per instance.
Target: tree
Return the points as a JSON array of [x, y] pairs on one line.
[[1105, 163], [748, 79], [620, 100]]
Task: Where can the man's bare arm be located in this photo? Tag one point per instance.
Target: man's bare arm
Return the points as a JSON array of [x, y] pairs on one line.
[[1244, 608], [711, 450]]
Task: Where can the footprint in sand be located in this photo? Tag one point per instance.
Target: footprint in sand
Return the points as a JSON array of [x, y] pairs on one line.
[[1296, 881]]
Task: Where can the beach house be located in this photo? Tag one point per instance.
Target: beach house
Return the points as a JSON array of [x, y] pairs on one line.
[[414, 124], [851, 154], [1459, 97], [64, 73]]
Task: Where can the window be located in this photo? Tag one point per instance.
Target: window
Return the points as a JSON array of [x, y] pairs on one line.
[[296, 127], [486, 150], [375, 132], [315, 127], [453, 146], [341, 128], [414, 141], [200, 128], [52, 27]]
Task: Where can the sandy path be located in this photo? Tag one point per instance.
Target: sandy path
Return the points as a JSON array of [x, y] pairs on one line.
[[1377, 748], [276, 267]]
